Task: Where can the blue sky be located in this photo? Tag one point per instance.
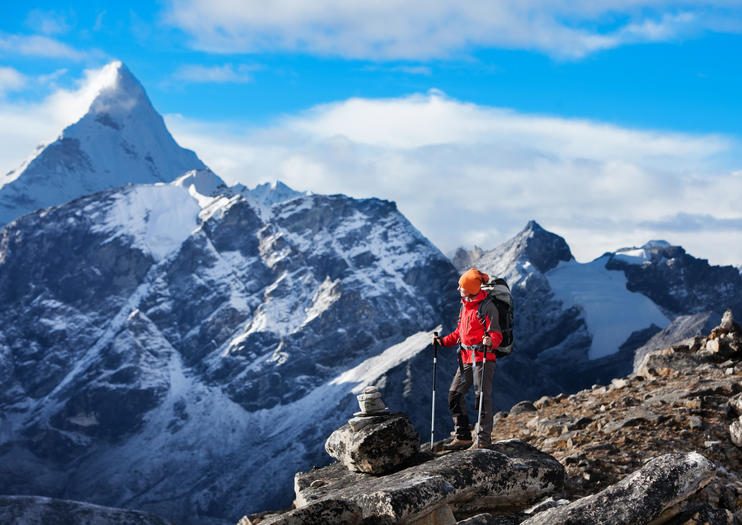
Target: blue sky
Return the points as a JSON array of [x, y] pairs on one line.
[[609, 122]]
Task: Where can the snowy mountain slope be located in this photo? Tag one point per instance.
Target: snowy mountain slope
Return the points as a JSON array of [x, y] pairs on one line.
[[678, 282], [612, 313], [120, 140], [172, 350], [581, 322], [34, 510]]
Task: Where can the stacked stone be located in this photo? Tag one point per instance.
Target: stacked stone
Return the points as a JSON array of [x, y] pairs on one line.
[[374, 441]]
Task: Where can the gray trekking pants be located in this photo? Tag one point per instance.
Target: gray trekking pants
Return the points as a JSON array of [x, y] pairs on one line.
[[457, 400]]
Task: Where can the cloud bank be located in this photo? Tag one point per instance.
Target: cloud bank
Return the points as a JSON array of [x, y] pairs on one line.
[[404, 29], [466, 174], [463, 173]]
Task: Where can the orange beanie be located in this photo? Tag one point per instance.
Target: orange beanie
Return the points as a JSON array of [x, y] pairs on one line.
[[472, 280]]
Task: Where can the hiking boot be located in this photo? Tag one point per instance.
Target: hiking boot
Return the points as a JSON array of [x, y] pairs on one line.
[[475, 446], [457, 444]]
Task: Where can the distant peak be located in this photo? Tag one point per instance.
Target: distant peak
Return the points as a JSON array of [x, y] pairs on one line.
[[543, 248], [656, 244], [115, 90], [270, 193]]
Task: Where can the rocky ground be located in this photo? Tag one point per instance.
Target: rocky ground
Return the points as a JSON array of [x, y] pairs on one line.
[[683, 403], [662, 445]]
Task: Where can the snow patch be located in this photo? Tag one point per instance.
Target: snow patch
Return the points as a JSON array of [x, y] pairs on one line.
[[633, 256], [159, 218], [327, 294], [371, 369], [611, 311]]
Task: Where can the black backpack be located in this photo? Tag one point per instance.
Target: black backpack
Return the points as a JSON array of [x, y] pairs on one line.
[[498, 292]]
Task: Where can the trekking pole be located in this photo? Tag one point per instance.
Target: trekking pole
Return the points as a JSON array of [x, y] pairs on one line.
[[479, 382], [435, 370]]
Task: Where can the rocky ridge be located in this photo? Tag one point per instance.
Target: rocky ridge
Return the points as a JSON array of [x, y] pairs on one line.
[[661, 446], [684, 399]]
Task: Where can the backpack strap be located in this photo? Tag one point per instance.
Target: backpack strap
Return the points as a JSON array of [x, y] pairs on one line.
[[487, 310]]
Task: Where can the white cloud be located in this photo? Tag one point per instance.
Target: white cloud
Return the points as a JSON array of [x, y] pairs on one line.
[[25, 125], [467, 174], [48, 22], [404, 29], [11, 80], [226, 73], [40, 46]]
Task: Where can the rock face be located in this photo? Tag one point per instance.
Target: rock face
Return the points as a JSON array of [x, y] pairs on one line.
[[510, 474], [377, 448], [640, 497], [181, 327], [34, 510]]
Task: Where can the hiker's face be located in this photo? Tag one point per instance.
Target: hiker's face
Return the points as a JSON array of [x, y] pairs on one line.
[[465, 295]]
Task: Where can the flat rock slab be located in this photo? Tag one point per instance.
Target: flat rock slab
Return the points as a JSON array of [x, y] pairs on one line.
[[640, 497], [510, 475], [327, 511]]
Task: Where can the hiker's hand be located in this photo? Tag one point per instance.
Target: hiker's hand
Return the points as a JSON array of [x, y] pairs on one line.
[[437, 341], [487, 341]]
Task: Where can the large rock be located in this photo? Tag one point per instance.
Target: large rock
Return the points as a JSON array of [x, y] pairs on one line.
[[377, 448], [327, 511], [639, 498], [684, 329], [35, 510], [735, 432], [655, 362], [510, 475]]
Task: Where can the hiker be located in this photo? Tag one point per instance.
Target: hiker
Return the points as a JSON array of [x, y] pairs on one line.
[[475, 332]]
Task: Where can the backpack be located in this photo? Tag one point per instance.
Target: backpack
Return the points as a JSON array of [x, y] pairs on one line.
[[498, 292]]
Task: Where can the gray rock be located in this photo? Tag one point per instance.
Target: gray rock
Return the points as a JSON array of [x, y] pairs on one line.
[[510, 475], [326, 511], [489, 519], [639, 498], [659, 359], [377, 448], [705, 514], [727, 322], [735, 404], [35, 510], [523, 406], [684, 328], [695, 422], [548, 503], [735, 432]]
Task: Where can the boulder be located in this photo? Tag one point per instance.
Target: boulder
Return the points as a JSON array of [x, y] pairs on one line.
[[735, 432], [639, 498], [735, 404], [728, 324], [523, 406], [377, 448], [326, 511], [511, 474], [657, 361]]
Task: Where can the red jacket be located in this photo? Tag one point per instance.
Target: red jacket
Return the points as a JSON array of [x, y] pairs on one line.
[[470, 330]]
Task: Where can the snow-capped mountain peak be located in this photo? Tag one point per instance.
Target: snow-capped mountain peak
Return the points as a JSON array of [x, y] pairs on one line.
[[118, 92], [532, 248], [121, 139]]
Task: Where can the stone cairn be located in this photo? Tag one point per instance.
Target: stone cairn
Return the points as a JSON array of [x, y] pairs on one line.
[[374, 441]]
